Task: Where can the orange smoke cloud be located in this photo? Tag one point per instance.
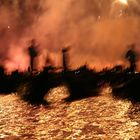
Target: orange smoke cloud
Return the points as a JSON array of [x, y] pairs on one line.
[[98, 31]]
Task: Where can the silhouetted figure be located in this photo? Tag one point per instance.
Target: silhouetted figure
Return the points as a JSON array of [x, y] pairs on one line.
[[131, 56], [33, 53], [65, 58]]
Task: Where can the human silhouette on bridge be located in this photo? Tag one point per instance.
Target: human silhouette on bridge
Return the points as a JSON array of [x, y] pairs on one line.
[[65, 58], [131, 56], [32, 53]]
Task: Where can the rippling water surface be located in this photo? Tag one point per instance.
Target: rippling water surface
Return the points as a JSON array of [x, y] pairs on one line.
[[92, 118]]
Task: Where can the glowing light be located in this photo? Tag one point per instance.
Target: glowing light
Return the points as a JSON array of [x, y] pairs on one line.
[[123, 2]]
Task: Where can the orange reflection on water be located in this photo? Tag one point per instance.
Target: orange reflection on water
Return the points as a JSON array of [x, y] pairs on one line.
[[99, 117]]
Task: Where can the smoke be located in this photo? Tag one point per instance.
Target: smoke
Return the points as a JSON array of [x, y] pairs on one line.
[[17, 17], [98, 31]]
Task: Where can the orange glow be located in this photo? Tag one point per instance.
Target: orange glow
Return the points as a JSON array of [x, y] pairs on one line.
[[123, 2]]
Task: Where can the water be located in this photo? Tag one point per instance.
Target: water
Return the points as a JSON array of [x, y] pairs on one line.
[[92, 118]]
